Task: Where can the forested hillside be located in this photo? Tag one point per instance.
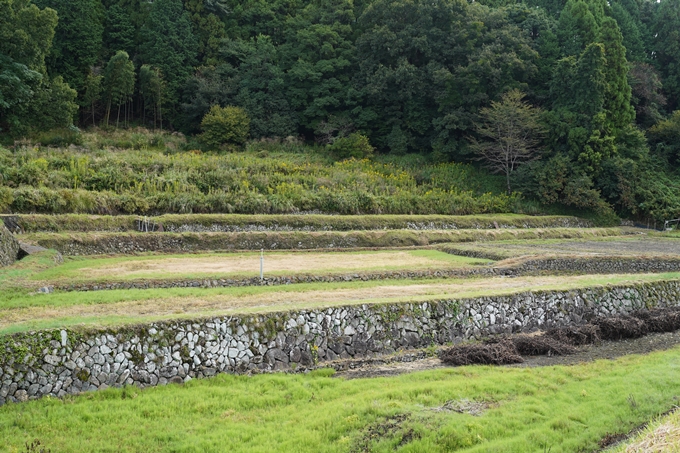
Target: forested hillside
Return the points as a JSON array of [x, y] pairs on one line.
[[575, 103]]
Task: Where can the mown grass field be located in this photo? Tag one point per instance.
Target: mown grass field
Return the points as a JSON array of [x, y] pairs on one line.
[[633, 245], [21, 310], [556, 409], [246, 265]]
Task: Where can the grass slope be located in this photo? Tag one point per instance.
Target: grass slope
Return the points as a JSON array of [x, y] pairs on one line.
[[35, 223], [108, 243], [556, 409]]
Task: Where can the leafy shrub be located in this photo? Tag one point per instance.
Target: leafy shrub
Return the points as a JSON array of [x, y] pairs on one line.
[[354, 146], [152, 182], [225, 126], [6, 198], [58, 137]]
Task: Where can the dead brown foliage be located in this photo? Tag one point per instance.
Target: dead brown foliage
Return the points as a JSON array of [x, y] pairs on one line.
[[576, 335], [502, 352], [621, 327], [541, 345], [660, 320]]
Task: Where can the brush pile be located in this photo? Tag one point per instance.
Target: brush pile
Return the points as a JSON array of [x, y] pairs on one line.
[[563, 340], [502, 352]]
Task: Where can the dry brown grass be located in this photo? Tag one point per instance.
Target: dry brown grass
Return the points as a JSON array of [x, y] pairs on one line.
[[274, 263], [663, 438], [286, 298]]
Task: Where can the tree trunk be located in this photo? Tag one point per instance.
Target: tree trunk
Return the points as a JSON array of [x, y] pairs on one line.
[[507, 180], [108, 113]]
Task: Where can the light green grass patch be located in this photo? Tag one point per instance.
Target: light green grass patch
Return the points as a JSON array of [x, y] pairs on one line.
[[556, 409]]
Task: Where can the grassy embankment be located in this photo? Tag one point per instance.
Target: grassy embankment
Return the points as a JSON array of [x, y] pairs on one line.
[[98, 243], [35, 223], [556, 409], [143, 172]]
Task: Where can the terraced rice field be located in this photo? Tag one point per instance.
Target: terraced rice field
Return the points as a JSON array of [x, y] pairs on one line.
[[557, 409]]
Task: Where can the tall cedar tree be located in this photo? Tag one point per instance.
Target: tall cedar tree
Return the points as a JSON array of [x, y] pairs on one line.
[[169, 44], [77, 42], [119, 83], [667, 49], [119, 33], [620, 112]]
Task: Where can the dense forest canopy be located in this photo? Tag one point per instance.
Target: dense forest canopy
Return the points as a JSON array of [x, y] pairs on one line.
[[601, 80]]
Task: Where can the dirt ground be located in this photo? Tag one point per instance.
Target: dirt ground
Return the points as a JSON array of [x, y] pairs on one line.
[[609, 350]]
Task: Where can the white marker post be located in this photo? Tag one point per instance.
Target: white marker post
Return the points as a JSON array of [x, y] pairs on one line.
[[261, 264]]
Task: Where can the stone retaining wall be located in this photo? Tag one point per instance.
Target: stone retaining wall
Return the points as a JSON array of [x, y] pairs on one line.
[[590, 265], [62, 362], [9, 247], [179, 223], [75, 244]]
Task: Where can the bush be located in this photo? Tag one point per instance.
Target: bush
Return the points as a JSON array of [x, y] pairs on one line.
[[225, 126], [354, 146], [59, 137]]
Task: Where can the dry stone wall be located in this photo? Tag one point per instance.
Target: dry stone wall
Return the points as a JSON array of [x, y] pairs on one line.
[[74, 244], [62, 362], [9, 247]]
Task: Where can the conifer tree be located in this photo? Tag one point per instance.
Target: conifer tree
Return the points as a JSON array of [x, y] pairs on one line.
[[119, 32], [119, 83], [577, 27], [78, 39], [620, 112], [667, 49], [169, 44], [632, 38], [93, 91]]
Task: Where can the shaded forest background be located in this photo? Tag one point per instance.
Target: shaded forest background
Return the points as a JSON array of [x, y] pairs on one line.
[[401, 76]]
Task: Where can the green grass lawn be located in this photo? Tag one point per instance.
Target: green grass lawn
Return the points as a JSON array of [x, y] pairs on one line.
[[556, 409]]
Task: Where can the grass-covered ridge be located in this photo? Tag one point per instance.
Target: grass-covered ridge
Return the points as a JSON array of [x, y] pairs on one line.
[[256, 181], [32, 223], [120, 243], [557, 409]]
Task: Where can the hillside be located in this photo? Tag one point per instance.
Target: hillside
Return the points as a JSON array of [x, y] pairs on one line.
[[573, 103]]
